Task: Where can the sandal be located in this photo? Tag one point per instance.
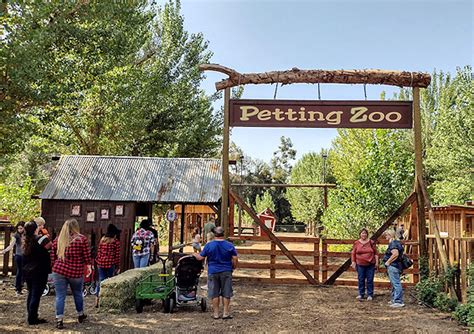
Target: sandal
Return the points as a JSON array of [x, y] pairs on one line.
[[215, 317], [227, 317]]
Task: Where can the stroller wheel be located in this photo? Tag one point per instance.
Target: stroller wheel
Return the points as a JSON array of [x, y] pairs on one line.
[[139, 305], [46, 291], [168, 305], [93, 288], [85, 291], [203, 304]]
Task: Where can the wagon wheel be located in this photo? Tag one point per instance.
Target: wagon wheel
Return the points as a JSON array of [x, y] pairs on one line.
[[203, 304], [47, 290], [168, 305], [139, 305]]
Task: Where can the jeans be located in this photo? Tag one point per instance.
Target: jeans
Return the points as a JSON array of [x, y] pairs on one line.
[[397, 290], [103, 274], [140, 261], [366, 273], [19, 273], [35, 287], [60, 284]]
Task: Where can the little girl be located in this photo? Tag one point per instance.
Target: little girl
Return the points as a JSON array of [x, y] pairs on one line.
[[196, 241]]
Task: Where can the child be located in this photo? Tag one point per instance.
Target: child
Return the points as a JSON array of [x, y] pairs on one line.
[[42, 231], [196, 241]]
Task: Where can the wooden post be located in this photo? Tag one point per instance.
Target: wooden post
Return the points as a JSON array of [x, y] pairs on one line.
[[419, 170], [225, 166], [316, 260], [231, 215], [272, 260], [324, 254], [183, 223], [325, 197], [6, 256], [464, 270], [170, 238]]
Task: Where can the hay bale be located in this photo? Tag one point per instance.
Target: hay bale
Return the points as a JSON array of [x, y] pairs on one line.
[[117, 294]]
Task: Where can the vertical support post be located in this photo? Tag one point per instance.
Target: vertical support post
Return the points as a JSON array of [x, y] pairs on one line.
[[183, 223], [316, 260], [464, 269], [324, 254], [225, 166], [231, 215], [6, 256], [170, 237], [325, 197], [419, 170], [272, 260]]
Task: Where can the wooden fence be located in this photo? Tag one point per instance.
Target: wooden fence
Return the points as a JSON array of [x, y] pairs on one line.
[[460, 253], [263, 262], [7, 264]]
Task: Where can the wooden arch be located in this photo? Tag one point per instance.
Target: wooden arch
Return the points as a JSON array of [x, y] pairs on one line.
[[414, 80]]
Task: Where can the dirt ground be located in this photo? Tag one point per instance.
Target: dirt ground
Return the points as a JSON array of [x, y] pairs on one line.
[[256, 308]]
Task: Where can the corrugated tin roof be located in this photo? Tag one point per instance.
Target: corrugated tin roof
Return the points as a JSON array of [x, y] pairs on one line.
[[108, 178]]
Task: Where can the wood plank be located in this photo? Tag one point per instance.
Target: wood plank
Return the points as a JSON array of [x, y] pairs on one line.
[[324, 254], [410, 199], [273, 237], [316, 261], [224, 218], [281, 238], [253, 251], [269, 266], [272, 260]]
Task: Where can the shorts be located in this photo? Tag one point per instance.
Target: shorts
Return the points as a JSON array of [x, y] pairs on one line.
[[220, 284]]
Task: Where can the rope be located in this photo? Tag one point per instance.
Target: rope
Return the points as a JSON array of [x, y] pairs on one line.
[[319, 92], [411, 81], [276, 90], [365, 91]]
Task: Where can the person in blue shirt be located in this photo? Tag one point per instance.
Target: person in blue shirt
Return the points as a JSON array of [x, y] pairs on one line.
[[221, 260], [392, 261]]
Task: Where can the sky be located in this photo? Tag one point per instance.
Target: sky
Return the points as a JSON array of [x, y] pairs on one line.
[[259, 36]]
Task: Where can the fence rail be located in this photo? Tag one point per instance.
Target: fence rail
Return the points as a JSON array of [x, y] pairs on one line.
[[319, 258]]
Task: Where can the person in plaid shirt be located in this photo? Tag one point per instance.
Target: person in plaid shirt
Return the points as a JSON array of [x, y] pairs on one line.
[[143, 242], [69, 256], [108, 256]]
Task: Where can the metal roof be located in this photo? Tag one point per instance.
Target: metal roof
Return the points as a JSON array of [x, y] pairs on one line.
[[136, 179]]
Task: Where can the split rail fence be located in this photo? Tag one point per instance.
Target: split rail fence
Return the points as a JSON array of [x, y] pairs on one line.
[[262, 261]]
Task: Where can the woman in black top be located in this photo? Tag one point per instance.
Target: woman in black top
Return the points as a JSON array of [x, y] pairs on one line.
[[36, 267]]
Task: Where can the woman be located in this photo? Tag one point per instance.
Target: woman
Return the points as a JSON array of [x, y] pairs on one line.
[[17, 242], [36, 267], [142, 245], [108, 256], [196, 241], [394, 267], [365, 260], [70, 254]]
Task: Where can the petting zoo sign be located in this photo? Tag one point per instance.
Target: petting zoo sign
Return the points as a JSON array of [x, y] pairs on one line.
[[321, 114]]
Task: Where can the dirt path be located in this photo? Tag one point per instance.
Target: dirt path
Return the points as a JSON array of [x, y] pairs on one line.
[[256, 308]]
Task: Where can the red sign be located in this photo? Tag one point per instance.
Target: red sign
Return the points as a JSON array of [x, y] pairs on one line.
[[321, 114]]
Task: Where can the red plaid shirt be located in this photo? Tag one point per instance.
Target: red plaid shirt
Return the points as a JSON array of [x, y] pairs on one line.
[[108, 254], [76, 257]]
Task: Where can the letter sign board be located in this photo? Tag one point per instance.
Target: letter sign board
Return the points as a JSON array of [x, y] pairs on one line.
[[321, 114]]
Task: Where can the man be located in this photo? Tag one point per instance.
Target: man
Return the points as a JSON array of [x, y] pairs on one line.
[[400, 232], [209, 228], [222, 260]]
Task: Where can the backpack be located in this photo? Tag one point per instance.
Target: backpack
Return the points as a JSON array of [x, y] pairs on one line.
[[406, 262]]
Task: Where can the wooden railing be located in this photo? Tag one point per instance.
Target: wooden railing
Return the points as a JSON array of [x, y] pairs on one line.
[[318, 257], [460, 253], [6, 261]]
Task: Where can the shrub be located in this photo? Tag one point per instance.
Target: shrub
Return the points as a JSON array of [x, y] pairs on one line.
[[428, 289], [445, 303], [461, 313]]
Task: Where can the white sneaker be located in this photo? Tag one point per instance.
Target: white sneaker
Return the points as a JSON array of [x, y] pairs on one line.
[[397, 305], [359, 297], [369, 298], [390, 303]]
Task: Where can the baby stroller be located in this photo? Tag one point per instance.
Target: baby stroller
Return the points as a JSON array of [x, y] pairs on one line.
[[187, 273], [89, 286]]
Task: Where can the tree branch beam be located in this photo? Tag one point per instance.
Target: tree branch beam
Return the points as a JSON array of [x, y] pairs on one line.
[[295, 75]]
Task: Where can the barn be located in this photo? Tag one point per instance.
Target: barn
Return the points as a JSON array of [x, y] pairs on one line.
[[99, 190]]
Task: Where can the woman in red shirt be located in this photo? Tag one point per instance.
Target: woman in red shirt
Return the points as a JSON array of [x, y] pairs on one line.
[[108, 256], [365, 260], [70, 255]]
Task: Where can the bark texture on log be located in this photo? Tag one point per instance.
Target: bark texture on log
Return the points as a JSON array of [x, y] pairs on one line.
[[295, 75]]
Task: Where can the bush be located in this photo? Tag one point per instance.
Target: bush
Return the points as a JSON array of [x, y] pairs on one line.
[[428, 289], [464, 314], [445, 303]]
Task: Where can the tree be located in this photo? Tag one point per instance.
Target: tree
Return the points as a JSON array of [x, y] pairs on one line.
[[263, 202], [307, 204]]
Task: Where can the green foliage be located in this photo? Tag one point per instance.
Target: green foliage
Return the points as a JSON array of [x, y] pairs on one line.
[[16, 202], [424, 267], [464, 314], [374, 170], [428, 289], [263, 202], [307, 204], [445, 303]]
